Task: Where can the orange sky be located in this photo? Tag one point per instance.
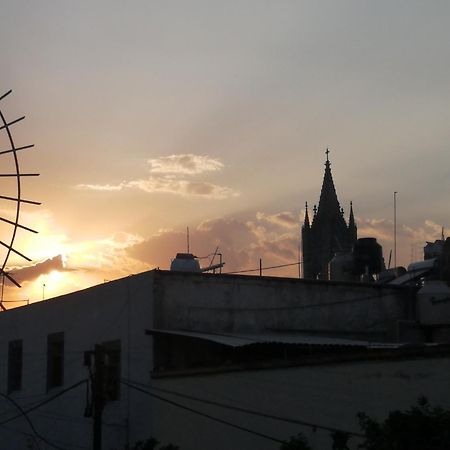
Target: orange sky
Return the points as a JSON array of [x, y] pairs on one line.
[[151, 117]]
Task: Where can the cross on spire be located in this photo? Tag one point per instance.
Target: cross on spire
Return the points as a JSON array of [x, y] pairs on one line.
[[327, 153]]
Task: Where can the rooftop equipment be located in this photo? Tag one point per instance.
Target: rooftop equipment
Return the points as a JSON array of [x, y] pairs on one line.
[[367, 257], [341, 267], [185, 262]]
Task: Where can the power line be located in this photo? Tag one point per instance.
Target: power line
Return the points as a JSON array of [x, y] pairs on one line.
[[208, 416], [307, 306], [263, 268], [17, 431], [250, 411], [30, 423], [23, 412]]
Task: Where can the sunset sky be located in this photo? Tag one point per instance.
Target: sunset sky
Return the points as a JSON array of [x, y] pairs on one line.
[[151, 116]]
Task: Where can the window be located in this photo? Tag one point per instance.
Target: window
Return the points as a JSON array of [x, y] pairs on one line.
[[15, 354], [55, 360], [112, 370]]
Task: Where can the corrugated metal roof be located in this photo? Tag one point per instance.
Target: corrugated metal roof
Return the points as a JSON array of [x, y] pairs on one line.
[[241, 340]]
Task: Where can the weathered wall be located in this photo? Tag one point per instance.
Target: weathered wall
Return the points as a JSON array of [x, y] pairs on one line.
[[327, 395], [225, 303], [120, 309], [433, 301], [124, 309]]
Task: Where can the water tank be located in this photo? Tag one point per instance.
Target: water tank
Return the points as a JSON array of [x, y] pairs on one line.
[[185, 262], [368, 257], [341, 267], [433, 249]]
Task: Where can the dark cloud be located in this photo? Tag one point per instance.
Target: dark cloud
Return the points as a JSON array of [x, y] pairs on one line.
[[30, 273]]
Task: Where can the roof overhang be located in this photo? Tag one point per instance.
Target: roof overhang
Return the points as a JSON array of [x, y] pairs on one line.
[[242, 340]]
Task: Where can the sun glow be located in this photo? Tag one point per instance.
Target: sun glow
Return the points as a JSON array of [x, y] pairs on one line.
[[56, 283]]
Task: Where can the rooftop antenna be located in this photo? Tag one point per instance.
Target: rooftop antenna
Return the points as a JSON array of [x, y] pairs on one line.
[[11, 193], [395, 228], [214, 255], [443, 238]]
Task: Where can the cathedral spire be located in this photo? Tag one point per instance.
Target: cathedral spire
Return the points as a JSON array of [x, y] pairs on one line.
[[352, 228], [351, 220], [328, 232], [306, 223], [328, 203]]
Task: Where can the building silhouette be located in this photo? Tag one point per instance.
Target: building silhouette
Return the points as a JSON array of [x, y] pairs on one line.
[[327, 233]]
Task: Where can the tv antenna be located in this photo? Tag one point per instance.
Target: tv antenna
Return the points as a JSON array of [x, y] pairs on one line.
[[10, 195]]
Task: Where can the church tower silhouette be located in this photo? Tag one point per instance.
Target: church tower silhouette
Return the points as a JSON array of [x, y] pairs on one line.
[[327, 233]]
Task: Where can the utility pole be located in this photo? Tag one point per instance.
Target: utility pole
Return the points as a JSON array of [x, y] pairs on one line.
[[98, 395], [97, 377]]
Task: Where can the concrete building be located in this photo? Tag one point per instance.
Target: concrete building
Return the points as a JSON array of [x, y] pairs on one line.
[[214, 361]]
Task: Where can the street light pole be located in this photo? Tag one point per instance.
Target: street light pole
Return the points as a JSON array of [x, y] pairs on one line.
[[395, 228]]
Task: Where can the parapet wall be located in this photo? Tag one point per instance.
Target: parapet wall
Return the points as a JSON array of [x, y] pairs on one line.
[[248, 304]]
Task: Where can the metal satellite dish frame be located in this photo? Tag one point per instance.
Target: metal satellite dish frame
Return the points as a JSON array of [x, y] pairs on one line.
[[5, 125]]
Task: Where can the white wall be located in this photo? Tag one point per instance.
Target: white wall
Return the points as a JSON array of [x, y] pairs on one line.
[[120, 309]]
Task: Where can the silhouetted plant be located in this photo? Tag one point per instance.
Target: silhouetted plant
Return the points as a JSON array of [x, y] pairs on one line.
[[419, 428], [151, 444], [340, 440], [298, 442]]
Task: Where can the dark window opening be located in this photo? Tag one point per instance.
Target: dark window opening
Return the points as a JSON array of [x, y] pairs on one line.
[[15, 355], [55, 360], [112, 370]]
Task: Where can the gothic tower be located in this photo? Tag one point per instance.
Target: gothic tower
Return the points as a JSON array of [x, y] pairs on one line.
[[328, 232]]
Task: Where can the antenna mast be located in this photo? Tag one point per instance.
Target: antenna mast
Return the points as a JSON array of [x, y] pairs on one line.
[[187, 238]]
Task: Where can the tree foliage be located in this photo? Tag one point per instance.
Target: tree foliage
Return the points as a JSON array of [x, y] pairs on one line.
[[422, 427], [298, 442], [152, 444]]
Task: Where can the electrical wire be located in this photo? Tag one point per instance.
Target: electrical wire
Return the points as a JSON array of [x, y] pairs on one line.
[[23, 412], [263, 268], [249, 411], [17, 431], [30, 423], [199, 413], [283, 308]]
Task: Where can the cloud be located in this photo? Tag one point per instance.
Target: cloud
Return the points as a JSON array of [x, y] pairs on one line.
[[30, 273], [107, 257], [272, 237], [232, 236], [185, 188], [242, 243], [165, 178], [102, 187], [84, 264], [429, 232], [285, 219], [187, 164], [382, 229]]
